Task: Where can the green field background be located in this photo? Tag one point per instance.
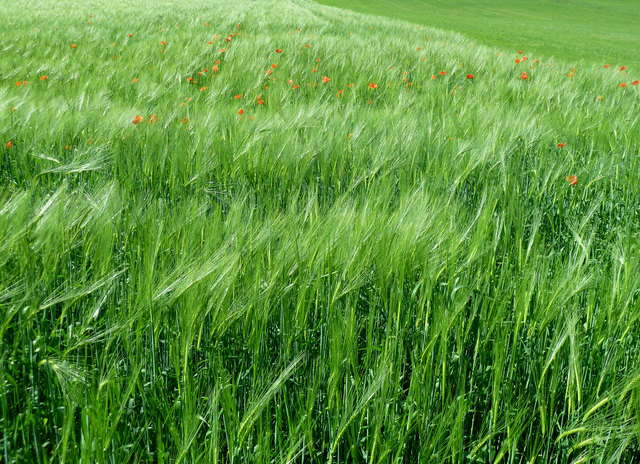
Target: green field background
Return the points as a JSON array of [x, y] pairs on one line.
[[597, 32]]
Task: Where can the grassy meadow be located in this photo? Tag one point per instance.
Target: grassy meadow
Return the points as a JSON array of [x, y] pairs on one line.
[[590, 31], [275, 231]]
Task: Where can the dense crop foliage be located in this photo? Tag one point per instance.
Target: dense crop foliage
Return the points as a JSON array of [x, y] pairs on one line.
[[278, 232]]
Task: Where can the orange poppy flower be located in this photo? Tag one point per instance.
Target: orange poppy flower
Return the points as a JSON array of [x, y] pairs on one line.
[[340, 92], [137, 119], [373, 85], [635, 83], [623, 84], [524, 76], [202, 89], [469, 76], [43, 78], [238, 97], [9, 145], [274, 65], [163, 43], [434, 77], [73, 45], [622, 68], [570, 74], [307, 45], [278, 50], [350, 85], [561, 145], [442, 73], [520, 51], [606, 66], [517, 60], [184, 120], [325, 79], [18, 84], [295, 87], [241, 112], [130, 35], [536, 61], [573, 180], [260, 102]]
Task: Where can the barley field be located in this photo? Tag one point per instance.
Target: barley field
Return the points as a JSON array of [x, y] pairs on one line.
[[280, 232]]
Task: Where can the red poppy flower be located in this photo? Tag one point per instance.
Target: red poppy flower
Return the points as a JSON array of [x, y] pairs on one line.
[[469, 76], [635, 83], [536, 61], [524, 76], [561, 145], [520, 51], [623, 84], [307, 45], [184, 120], [73, 45], [241, 112], [18, 84], [130, 35], [135, 79], [517, 60], [238, 97], [278, 51], [325, 79], [606, 66], [622, 68], [373, 86], [202, 89], [573, 180], [43, 78], [350, 85], [274, 66], [340, 92], [442, 73], [137, 119], [190, 79], [260, 102], [295, 87], [570, 74], [9, 145]]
